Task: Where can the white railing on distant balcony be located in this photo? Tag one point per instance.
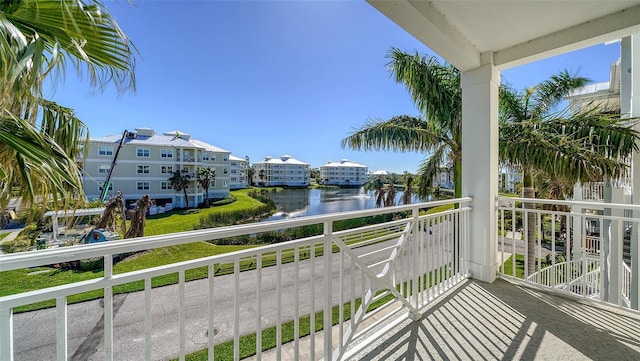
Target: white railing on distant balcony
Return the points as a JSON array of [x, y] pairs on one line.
[[568, 257], [593, 191], [379, 274]]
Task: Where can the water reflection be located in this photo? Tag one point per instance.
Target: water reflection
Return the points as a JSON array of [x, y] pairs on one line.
[[310, 202]]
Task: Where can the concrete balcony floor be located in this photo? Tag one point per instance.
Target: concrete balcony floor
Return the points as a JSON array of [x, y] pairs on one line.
[[503, 321]]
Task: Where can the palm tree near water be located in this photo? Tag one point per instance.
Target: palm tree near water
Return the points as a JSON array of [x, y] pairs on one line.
[[376, 184], [39, 139], [587, 146], [435, 90]]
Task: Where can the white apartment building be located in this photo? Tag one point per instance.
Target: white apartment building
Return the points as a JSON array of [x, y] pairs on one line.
[[238, 172], [284, 171], [508, 179], [344, 173], [147, 160], [444, 176]]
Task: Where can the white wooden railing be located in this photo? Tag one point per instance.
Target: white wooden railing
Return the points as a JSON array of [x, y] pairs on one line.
[[387, 272], [568, 259]]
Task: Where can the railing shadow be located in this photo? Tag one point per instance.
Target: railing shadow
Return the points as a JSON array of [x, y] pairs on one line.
[[501, 321]]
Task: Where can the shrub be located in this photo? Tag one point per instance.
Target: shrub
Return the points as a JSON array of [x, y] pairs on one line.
[[16, 245]]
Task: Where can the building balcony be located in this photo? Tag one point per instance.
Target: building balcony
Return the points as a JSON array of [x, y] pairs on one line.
[[399, 288]]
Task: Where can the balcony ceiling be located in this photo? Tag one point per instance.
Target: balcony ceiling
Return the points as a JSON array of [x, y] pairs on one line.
[[512, 32]]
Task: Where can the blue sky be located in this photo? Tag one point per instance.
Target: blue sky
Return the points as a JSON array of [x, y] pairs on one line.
[[270, 78]]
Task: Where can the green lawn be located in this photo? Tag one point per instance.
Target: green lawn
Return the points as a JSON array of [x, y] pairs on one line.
[[508, 266], [3, 235], [180, 221]]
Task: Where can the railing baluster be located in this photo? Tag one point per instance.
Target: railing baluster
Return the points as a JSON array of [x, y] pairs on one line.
[[108, 309], [296, 314], [279, 305], [211, 314], [341, 300], [147, 319], [6, 334], [181, 315], [353, 291], [328, 234], [61, 328], [236, 309], [312, 295]]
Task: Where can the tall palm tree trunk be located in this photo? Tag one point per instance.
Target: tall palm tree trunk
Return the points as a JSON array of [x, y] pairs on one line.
[[528, 192]]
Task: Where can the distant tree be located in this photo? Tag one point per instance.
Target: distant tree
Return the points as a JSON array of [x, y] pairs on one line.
[[261, 174], [376, 184], [390, 198], [408, 188], [250, 172], [180, 182], [315, 174], [206, 177]]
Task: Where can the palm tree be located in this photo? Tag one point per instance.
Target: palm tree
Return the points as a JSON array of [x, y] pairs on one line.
[[587, 146], [408, 188], [206, 177], [261, 175], [390, 199], [376, 184], [39, 139], [179, 181], [435, 90]]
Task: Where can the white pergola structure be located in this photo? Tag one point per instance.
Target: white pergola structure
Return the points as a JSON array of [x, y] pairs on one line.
[[481, 38]]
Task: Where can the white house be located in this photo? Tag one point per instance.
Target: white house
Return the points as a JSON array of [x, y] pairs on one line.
[[147, 160], [284, 171], [238, 172], [344, 173]]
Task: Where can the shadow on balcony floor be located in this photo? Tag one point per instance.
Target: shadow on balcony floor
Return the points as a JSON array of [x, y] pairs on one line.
[[502, 321]]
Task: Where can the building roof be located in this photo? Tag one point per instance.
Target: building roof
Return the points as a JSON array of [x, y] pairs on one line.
[[343, 163], [146, 136], [284, 159], [233, 157], [380, 172]]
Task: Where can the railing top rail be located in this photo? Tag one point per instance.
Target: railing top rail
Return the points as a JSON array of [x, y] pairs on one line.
[[72, 253], [583, 204]]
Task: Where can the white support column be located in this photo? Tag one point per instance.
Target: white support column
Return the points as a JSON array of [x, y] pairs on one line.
[[630, 103], [480, 165]]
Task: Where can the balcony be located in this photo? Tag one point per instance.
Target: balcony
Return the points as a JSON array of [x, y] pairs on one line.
[[395, 288]]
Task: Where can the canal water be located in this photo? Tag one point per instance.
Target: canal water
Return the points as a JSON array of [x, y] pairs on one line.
[[310, 202]]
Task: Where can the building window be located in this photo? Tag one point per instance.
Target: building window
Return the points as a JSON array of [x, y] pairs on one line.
[[165, 185], [234, 179], [166, 153], [226, 184], [143, 169], [104, 168], [233, 164], [143, 152], [225, 171], [105, 150], [234, 171], [224, 159], [205, 156], [166, 169], [142, 186]]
